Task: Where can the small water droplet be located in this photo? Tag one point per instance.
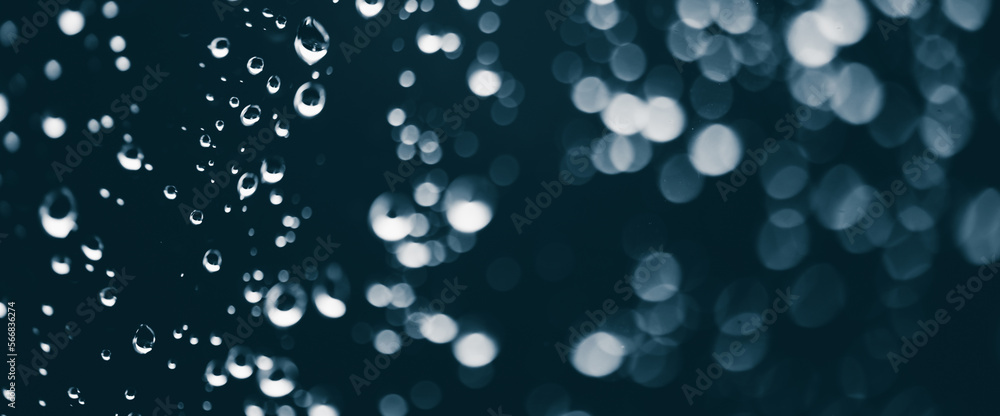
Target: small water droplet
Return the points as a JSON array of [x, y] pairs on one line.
[[105, 354], [248, 185], [170, 191], [109, 296], [58, 213], [272, 169], [273, 84], [129, 394], [219, 47], [130, 157], [197, 217], [234, 102], [250, 115], [93, 248], [144, 339], [311, 41], [212, 260], [219, 125], [73, 392], [309, 99], [171, 364], [255, 65]]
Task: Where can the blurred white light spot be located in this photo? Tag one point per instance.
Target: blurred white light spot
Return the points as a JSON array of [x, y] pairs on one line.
[[715, 150], [475, 350], [484, 83], [71, 22], [598, 355], [54, 127]]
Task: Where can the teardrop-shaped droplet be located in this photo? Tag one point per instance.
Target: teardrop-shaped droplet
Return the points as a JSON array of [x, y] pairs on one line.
[[58, 213], [170, 191], [130, 157], [250, 115], [106, 354], [219, 47], [93, 248], [197, 217], [309, 99], [219, 125], [272, 169], [212, 260], [144, 339], [255, 65], [248, 185], [109, 296], [273, 84], [311, 41]]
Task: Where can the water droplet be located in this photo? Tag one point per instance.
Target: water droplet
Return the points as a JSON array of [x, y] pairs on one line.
[[93, 248], [170, 191], [272, 169], [219, 125], [248, 185], [219, 47], [281, 128], [234, 102], [309, 99], [73, 392], [197, 217], [129, 394], [60, 264], [255, 65], [58, 213], [109, 296], [171, 364], [215, 373], [106, 354], [143, 340], [311, 41], [250, 115], [285, 304], [212, 260], [273, 84], [130, 157]]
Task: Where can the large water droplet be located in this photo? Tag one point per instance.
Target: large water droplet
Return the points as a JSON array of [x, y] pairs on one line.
[[255, 65], [248, 185], [285, 304], [143, 340], [219, 47], [250, 115], [212, 260], [58, 213], [310, 99], [311, 41]]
